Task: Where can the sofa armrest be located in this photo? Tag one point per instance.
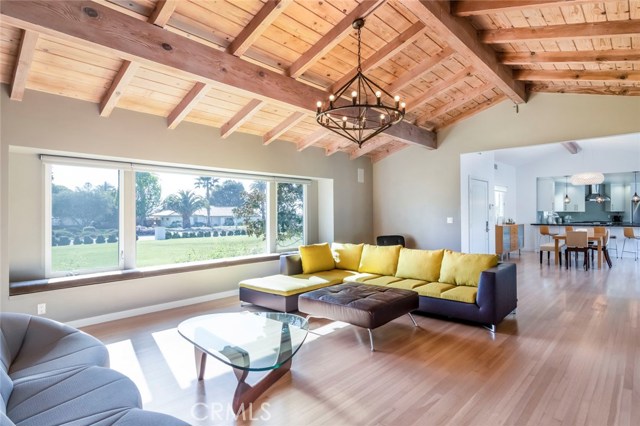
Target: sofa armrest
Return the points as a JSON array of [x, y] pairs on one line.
[[498, 291], [290, 264]]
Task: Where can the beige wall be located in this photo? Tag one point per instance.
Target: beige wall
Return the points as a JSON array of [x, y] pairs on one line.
[[415, 190], [45, 123]]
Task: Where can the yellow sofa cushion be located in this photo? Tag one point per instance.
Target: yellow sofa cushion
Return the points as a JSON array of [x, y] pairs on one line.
[[461, 293], [287, 285], [407, 284], [360, 277], [385, 281], [464, 269], [433, 289], [420, 264], [316, 258], [380, 260], [347, 256]]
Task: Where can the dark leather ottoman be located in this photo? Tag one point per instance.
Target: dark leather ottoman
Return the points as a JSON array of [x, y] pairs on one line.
[[364, 305]]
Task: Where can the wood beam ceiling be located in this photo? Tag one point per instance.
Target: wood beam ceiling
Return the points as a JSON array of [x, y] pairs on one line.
[[462, 36], [163, 11], [622, 77], [486, 7], [457, 101], [434, 90], [578, 57], [369, 147], [564, 31], [90, 24], [585, 90], [419, 70], [331, 39], [390, 49], [281, 128], [195, 95], [241, 117], [476, 109], [23, 64], [313, 138], [254, 29], [386, 151], [123, 78]]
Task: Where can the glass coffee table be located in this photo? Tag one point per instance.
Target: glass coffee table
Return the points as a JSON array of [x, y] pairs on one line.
[[247, 341]]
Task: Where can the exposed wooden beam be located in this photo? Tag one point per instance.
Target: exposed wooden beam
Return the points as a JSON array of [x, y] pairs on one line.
[[419, 70], [254, 29], [413, 135], [313, 138], [473, 111], [334, 147], [285, 125], [485, 7], [241, 117], [576, 57], [572, 147], [462, 37], [197, 92], [89, 24], [163, 11], [386, 152], [458, 101], [122, 80], [370, 146], [390, 49], [627, 78], [434, 90], [586, 90], [23, 64], [558, 32], [338, 33]]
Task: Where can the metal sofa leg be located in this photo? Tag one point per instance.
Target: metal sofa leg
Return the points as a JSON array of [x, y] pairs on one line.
[[370, 339], [413, 319], [490, 327]]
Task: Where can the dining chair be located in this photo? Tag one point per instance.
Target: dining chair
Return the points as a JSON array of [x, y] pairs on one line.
[[568, 228], [605, 250], [545, 232], [630, 234], [577, 242]]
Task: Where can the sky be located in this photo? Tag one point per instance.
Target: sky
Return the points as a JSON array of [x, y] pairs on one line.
[[73, 176]]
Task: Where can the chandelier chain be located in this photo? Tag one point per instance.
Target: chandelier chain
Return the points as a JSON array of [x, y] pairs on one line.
[[359, 41]]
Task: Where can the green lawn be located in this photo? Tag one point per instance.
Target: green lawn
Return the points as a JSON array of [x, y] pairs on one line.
[[152, 253]]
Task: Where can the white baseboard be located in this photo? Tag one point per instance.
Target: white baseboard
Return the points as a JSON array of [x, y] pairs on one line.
[[149, 309]]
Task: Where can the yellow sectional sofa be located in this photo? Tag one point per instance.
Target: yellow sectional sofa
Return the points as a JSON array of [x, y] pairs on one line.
[[472, 287]]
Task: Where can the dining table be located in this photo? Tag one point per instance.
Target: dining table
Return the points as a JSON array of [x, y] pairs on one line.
[[599, 238]]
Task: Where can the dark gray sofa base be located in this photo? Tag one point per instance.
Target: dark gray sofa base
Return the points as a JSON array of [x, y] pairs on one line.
[[268, 300]]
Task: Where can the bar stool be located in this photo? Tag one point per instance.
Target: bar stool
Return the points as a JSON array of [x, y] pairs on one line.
[[629, 234]]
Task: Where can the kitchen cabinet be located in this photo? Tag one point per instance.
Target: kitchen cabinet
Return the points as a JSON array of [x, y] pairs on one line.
[[616, 193], [576, 194], [509, 238], [546, 194]]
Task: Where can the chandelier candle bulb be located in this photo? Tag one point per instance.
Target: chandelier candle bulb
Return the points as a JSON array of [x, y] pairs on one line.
[[403, 105], [318, 107], [397, 99], [354, 97], [331, 99]]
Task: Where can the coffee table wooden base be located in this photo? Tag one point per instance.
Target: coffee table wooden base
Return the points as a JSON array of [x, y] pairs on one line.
[[245, 393]]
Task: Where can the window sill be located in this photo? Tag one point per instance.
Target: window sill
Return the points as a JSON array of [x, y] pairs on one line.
[[49, 284]]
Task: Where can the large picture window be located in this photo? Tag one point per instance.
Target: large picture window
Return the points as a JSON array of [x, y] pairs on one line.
[[187, 218], [85, 219], [110, 215]]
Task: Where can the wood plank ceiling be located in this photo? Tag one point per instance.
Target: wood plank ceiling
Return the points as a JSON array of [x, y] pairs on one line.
[[447, 60]]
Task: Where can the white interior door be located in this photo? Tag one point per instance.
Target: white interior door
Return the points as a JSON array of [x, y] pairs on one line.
[[478, 216]]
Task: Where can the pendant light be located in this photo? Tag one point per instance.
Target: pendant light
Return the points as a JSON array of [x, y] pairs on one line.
[[636, 197], [567, 200]]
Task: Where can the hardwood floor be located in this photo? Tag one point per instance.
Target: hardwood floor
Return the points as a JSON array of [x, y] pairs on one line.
[[571, 356]]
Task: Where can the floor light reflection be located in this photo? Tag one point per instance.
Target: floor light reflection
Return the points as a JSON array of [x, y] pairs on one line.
[[123, 358]]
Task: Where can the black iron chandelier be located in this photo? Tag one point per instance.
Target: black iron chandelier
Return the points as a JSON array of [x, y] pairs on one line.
[[370, 111]]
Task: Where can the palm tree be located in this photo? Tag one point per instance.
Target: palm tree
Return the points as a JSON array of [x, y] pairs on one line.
[[185, 203], [208, 183]]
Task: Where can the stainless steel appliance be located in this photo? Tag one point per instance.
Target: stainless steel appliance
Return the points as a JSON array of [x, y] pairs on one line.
[[635, 212]]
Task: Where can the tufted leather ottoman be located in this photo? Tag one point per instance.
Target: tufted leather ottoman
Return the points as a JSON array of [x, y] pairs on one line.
[[364, 305]]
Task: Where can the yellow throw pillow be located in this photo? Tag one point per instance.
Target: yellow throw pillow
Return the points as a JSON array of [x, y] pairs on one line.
[[420, 264], [347, 256], [464, 269], [380, 260], [316, 258]]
